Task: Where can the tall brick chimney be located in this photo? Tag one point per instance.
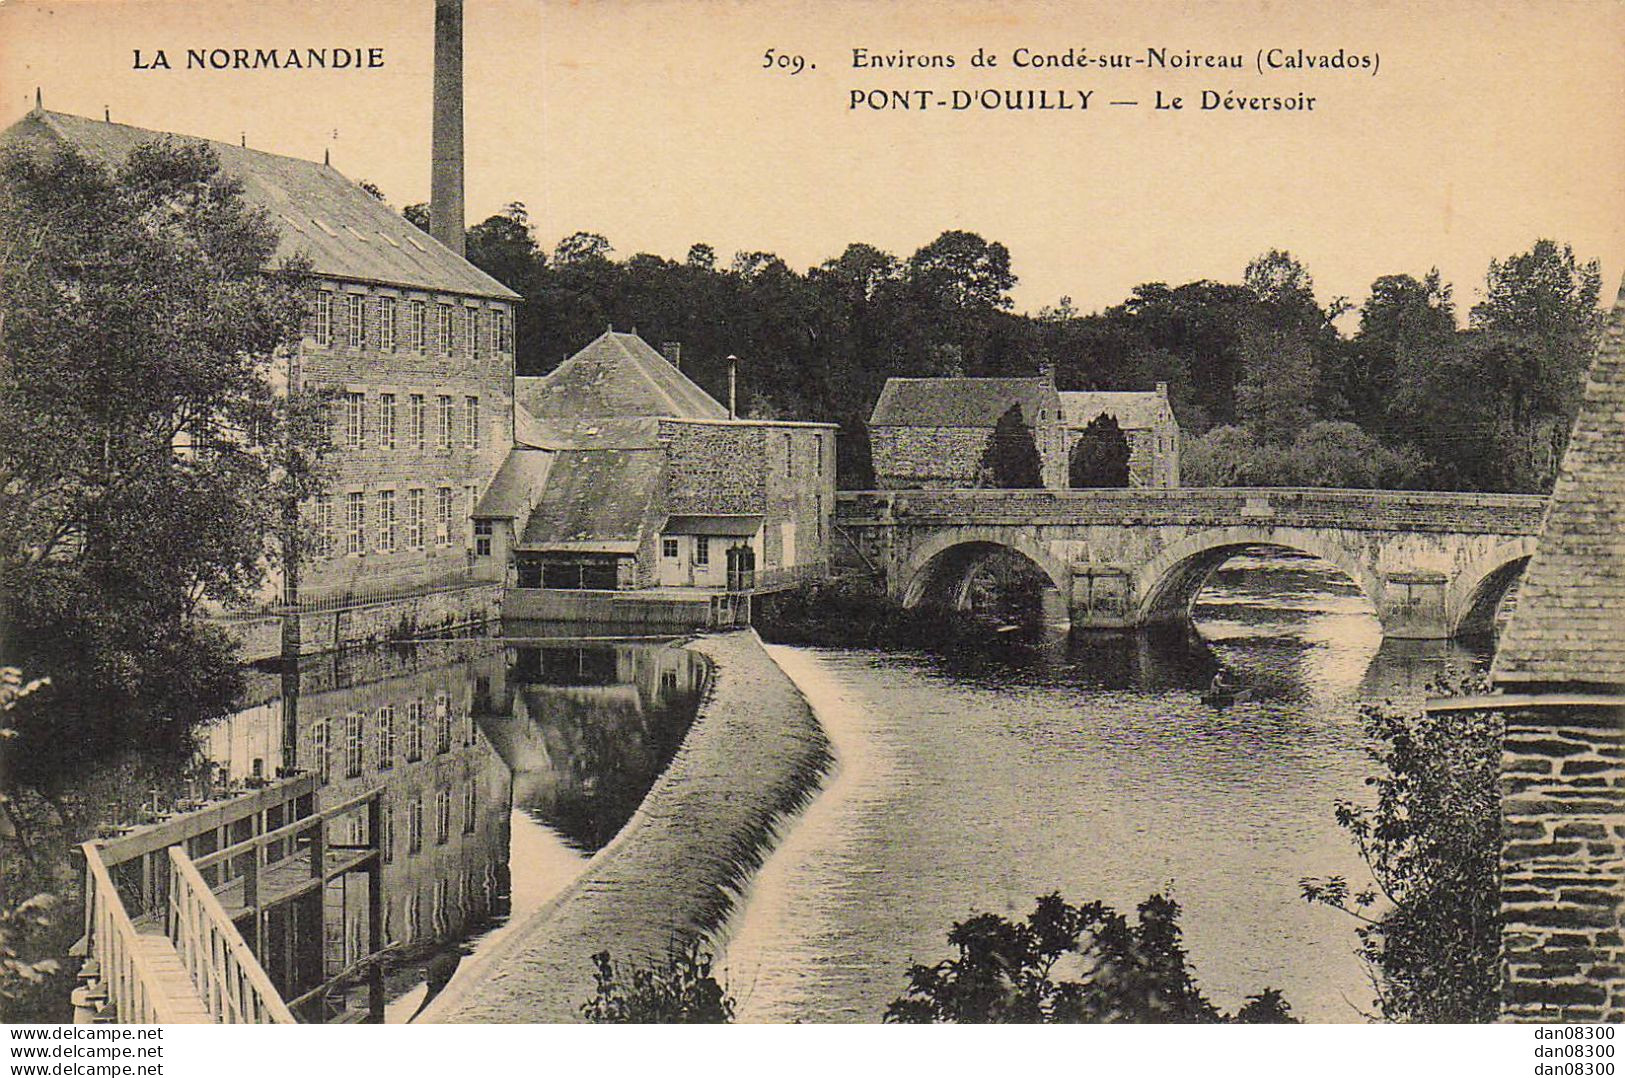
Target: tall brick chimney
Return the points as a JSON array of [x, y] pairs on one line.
[[446, 179]]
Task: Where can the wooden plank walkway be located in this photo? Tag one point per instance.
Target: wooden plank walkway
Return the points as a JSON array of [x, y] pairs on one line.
[[173, 980]]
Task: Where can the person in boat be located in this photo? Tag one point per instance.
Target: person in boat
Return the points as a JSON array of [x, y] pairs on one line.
[[1223, 686]]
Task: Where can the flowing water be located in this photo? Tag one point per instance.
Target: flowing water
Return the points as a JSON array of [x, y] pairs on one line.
[[1093, 768]]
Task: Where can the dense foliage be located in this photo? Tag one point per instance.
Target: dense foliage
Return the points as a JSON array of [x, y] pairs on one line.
[[146, 457], [1403, 398], [1429, 926], [1011, 460], [1070, 963], [681, 991], [1101, 457]]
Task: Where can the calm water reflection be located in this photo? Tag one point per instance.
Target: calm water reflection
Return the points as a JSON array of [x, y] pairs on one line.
[[503, 765], [1090, 766]]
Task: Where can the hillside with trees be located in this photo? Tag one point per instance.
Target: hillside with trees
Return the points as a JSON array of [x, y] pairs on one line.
[[1267, 386]]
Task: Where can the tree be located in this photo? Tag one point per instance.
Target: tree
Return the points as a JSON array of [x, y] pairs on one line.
[[681, 991], [417, 214], [1007, 971], [1011, 460], [1429, 924], [579, 247], [147, 461], [1100, 459], [962, 270], [702, 256]]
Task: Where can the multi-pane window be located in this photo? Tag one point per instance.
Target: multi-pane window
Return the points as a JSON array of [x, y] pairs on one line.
[[386, 323], [386, 737], [470, 802], [471, 331], [386, 832], [417, 326], [444, 314], [702, 550], [355, 319], [442, 513], [386, 421], [414, 825], [417, 431], [414, 731], [355, 420], [499, 343], [318, 750], [324, 319], [414, 518], [445, 421], [442, 816], [668, 548], [324, 525], [471, 432], [482, 538], [386, 521], [442, 723], [353, 731], [355, 523]]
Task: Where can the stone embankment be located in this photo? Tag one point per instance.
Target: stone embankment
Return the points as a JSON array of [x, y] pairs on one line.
[[754, 755]]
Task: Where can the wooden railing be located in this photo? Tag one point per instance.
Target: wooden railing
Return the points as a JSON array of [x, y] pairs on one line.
[[133, 987], [234, 988]]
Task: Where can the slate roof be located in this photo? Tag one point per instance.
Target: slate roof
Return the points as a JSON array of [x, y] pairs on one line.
[[724, 524], [960, 402], [516, 485], [1133, 411], [595, 500], [552, 433], [345, 232], [1569, 625], [617, 375]]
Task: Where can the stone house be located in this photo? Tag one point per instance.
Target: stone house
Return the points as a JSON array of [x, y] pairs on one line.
[[1146, 420], [934, 433], [416, 343], [625, 476]]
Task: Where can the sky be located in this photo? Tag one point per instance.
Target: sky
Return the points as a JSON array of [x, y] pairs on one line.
[[1480, 126]]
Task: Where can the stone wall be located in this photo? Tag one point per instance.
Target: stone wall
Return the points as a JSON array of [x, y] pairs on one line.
[[1563, 864], [928, 457], [376, 465], [398, 618]]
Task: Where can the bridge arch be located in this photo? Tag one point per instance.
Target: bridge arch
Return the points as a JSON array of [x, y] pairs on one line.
[[940, 569], [1476, 591], [1168, 584]]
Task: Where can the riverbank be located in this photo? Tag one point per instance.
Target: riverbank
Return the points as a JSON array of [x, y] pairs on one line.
[[754, 755]]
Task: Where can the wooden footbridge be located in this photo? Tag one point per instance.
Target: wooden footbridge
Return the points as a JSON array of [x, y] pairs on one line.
[[219, 914]]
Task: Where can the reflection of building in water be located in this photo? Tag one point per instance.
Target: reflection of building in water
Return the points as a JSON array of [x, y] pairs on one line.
[[587, 730], [399, 719]]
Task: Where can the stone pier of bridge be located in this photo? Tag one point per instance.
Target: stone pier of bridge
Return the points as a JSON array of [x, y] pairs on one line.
[[1432, 565]]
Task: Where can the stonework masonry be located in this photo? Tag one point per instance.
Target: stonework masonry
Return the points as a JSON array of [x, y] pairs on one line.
[[1563, 864], [433, 420]]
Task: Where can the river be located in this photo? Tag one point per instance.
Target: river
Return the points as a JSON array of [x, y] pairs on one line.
[[1089, 767]]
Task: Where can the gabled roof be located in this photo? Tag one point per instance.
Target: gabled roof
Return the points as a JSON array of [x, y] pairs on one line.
[[617, 375], [1569, 625], [639, 433], [516, 486], [1133, 411], [961, 402], [595, 500], [345, 232]]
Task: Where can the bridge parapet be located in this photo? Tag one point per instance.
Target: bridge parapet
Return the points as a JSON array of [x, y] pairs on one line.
[[1303, 507]]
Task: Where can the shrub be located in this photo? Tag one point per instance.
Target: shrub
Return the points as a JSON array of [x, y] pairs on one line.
[[681, 991], [1011, 972]]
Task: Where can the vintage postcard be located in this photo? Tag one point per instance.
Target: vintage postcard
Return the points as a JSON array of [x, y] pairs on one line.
[[756, 511]]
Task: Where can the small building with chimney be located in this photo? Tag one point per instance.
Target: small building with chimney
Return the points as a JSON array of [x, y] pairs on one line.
[[630, 494], [942, 433]]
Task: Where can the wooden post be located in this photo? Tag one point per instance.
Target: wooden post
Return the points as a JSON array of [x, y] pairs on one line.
[[375, 908]]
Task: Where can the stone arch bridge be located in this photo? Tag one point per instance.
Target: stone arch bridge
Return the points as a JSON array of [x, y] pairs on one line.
[[1432, 564]]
